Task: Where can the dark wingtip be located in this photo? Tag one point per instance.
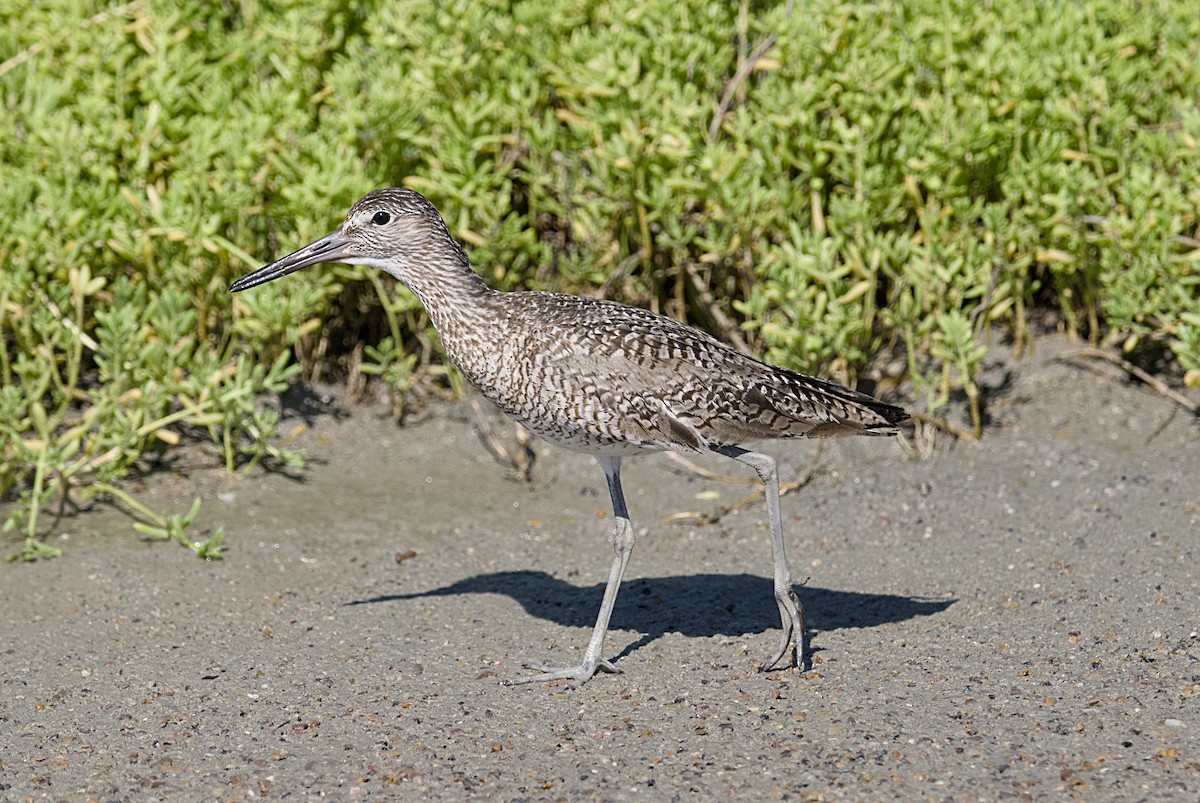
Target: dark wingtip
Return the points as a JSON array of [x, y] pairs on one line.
[[892, 415]]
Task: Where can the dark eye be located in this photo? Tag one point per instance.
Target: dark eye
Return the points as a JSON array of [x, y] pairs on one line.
[[381, 218]]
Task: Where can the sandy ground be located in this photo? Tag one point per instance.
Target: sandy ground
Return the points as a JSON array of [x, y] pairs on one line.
[[1010, 619]]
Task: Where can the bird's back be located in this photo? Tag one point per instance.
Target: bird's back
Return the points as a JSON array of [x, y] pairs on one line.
[[606, 378]]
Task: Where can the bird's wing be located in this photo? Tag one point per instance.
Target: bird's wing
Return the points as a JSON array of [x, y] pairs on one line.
[[671, 385]]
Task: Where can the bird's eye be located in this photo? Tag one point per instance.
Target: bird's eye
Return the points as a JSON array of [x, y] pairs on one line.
[[381, 218]]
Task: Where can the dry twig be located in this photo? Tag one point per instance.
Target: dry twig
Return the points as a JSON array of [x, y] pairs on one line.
[[728, 329], [744, 68], [699, 471], [522, 460], [714, 516], [1154, 382]]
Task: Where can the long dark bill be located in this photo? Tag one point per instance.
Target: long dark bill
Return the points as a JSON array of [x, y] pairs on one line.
[[333, 247]]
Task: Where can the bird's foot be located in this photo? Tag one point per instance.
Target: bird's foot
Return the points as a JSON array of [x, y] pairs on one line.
[[577, 675], [791, 612], [784, 651]]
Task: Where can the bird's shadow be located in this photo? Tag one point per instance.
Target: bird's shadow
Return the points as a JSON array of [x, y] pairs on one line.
[[698, 605]]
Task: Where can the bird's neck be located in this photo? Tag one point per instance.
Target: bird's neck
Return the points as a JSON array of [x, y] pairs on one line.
[[459, 304]]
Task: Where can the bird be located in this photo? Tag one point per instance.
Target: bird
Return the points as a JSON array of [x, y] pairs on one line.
[[598, 377]]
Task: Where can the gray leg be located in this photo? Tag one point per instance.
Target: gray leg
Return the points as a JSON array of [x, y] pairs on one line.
[[790, 610], [623, 546]]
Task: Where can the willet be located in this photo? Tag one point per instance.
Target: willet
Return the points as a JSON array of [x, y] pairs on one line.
[[598, 377]]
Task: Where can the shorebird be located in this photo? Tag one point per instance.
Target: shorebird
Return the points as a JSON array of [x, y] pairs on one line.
[[597, 377]]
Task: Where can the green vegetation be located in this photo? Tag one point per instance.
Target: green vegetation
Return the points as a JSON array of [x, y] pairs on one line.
[[820, 183]]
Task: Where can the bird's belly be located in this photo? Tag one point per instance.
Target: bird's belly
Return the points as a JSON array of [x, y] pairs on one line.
[[568, 414], [589, 443], [576, 429]]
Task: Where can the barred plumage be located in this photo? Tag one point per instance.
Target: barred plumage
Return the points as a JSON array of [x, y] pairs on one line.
[[597, 377], [602, 377]]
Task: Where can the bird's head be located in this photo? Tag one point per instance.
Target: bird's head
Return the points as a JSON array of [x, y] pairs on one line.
[[395, 230]]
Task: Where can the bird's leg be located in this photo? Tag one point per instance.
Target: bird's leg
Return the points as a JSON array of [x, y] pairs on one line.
[[791, 612], [622, 545]]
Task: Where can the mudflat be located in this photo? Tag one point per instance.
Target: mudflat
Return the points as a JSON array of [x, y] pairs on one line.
[[1013, 618]]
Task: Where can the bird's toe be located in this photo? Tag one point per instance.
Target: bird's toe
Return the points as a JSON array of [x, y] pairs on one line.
[[575, 676]]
